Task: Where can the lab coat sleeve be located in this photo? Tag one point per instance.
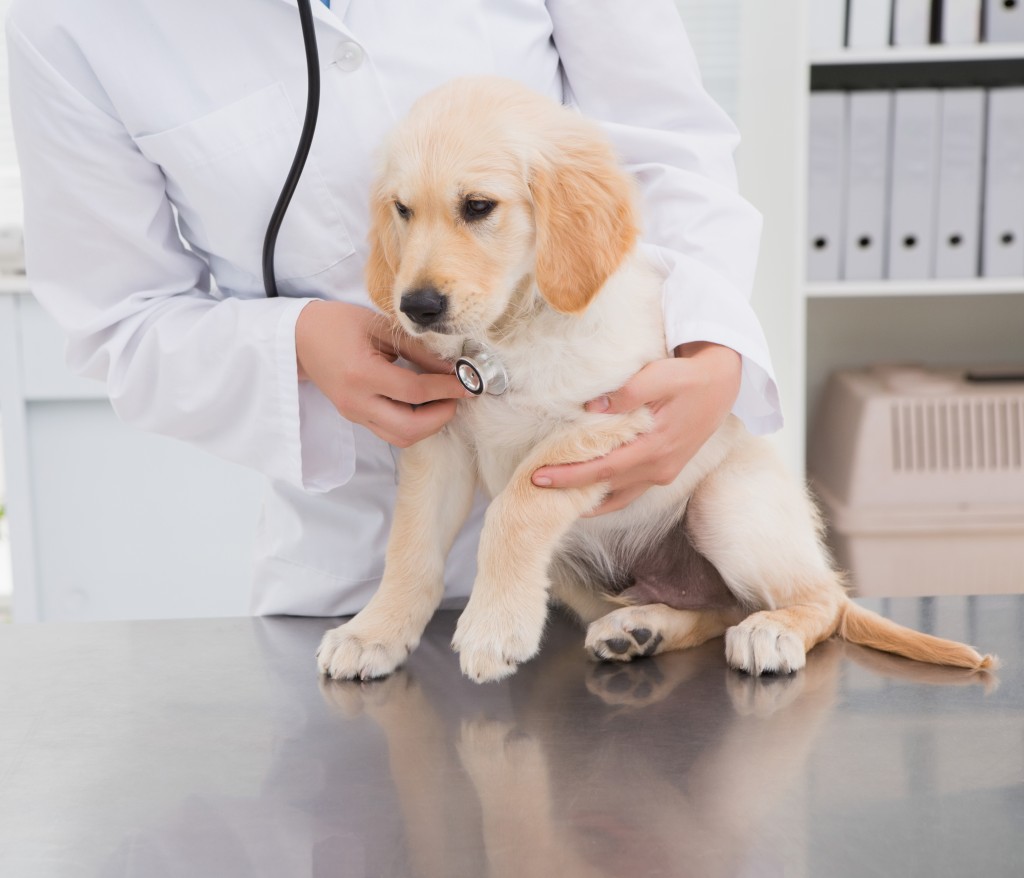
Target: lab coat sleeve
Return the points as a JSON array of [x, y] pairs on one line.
[[631, 67], [105, 259]]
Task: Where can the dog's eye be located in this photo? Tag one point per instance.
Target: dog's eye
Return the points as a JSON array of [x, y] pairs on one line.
[[403, 211], [476, 208]]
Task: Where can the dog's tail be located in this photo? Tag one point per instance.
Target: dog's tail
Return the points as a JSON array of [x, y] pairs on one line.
[[866, 628]]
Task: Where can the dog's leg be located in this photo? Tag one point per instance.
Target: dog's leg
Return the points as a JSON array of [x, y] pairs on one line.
[[633, 632], [758, 527], [578, 597], [502, 624], [777, 641], [435, 492]]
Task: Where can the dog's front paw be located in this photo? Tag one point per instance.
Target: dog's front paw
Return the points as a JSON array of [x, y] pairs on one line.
[[493, 641], [761, 645], [354, 651]]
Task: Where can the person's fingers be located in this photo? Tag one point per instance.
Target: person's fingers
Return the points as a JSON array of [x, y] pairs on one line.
[[413, 350], [402, 425], [645, 387], [402, 385], [391, 341], [426, 359], [617, 500], [607, 469], [574, 475]]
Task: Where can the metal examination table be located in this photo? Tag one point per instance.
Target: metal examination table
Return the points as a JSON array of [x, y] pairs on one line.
[[210, 749]]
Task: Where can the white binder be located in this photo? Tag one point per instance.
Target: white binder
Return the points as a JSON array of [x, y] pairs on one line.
[[1004, 22], [911, 22], [915, 165], [961, 160], [828, 25], [870, 23], [961, 22], [867, 185], [826, 185], [1002, 252]]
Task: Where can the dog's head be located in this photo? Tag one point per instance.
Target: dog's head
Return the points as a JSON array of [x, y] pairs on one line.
[[485, 186]]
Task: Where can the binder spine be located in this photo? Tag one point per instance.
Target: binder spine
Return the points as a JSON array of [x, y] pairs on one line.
[[961, 164], [914, 184], [1003, 238], [867, 183]]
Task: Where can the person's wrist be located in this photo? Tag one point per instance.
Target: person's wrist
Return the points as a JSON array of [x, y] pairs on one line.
[[707, 348], [305, 324], [722, 366]]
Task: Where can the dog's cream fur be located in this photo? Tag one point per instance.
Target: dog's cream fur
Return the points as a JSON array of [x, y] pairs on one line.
[[553, 281]]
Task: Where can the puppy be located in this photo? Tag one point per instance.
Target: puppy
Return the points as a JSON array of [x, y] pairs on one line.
[[502, 218]]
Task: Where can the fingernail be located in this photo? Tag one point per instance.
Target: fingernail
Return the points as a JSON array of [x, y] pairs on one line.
[[542, 481], [601, 404]]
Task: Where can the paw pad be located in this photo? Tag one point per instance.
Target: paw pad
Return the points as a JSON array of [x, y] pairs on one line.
[[627, 645], [641, 635]]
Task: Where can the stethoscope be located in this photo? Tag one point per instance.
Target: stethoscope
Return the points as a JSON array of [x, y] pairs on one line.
[[479, 369]]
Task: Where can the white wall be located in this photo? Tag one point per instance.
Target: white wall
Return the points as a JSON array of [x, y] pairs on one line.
[[10, 212], [10, 191], [5, 546]]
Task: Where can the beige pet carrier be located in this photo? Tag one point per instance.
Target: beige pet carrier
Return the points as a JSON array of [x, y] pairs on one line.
[[921, 476]]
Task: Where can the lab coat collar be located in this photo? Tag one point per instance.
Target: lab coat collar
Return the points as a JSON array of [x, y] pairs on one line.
[[330, 17]]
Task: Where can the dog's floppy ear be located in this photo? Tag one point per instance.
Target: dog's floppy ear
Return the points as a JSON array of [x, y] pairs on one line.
[[382, 263], [586, 224]]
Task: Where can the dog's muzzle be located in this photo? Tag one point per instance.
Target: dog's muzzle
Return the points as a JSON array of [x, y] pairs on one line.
[[480, 371]]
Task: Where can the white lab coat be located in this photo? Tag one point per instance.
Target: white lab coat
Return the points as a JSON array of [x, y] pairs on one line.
[[135, 120]]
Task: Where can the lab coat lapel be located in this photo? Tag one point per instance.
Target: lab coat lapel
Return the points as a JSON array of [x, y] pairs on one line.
[[330, 17]]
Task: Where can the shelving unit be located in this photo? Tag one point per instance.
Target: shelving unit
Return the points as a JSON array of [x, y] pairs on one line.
[[981, 286], [920, 54], [814, 329]]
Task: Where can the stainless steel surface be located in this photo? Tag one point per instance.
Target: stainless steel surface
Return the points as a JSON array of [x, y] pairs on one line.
[[210, 748]]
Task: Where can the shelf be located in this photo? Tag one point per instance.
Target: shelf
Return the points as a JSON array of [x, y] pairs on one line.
[[982, 66], [921, 54], [886, 288], [13, 284]]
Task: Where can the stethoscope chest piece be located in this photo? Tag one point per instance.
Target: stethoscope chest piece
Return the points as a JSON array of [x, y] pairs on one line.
[[480, 371]]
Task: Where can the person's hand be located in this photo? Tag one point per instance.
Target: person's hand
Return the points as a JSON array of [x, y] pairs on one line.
[[690, 397], [349, 353]]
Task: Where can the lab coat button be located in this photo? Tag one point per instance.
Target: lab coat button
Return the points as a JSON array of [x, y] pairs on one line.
[[349, 56]]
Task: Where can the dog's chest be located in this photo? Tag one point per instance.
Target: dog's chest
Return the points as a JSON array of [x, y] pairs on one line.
[[541, 405], [556, 363], [502, 431]]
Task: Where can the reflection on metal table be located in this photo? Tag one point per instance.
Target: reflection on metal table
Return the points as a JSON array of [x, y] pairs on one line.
[[211, 748]]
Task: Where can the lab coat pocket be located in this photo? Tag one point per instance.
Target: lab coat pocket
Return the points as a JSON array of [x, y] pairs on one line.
[[224, 173]]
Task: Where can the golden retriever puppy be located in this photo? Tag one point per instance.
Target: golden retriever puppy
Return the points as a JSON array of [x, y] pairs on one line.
[[502, 219]]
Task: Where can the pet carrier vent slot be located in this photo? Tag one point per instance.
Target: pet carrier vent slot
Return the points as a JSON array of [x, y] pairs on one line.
[[957, 435]]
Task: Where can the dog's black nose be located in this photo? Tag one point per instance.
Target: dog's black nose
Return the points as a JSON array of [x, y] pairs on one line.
[[424, 306]]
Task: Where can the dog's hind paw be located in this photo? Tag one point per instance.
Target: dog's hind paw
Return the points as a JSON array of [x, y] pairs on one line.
[[622, 636], [346, 653], [762, 645]]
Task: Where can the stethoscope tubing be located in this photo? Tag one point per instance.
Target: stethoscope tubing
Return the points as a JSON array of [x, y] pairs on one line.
[[301, 151], [479, 369]]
